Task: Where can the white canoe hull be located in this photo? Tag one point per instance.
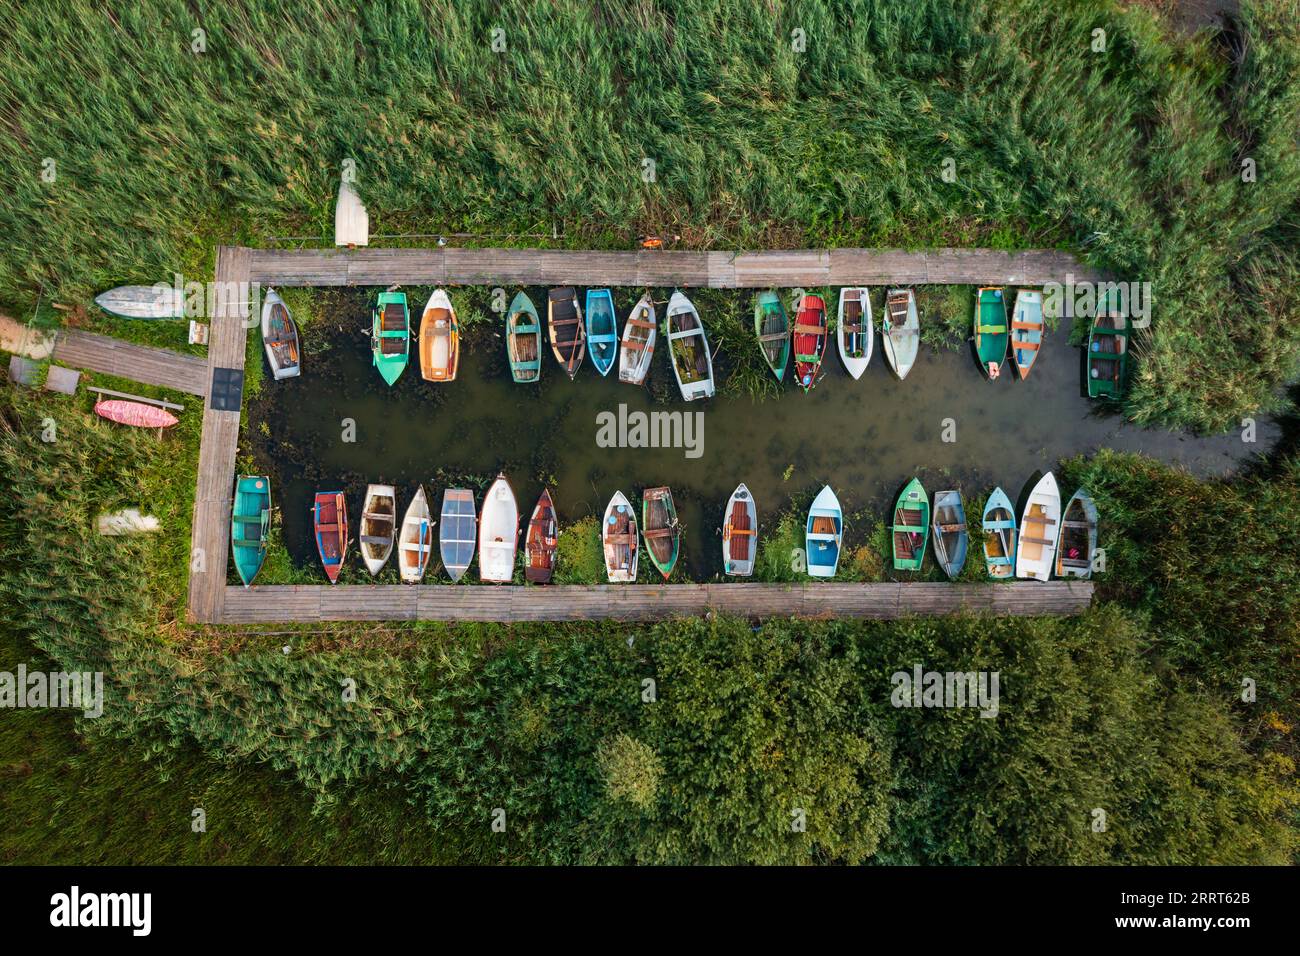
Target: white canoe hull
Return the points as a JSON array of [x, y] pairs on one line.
[[740, 567], [854, 365], [415, 543], [622, 573], [1039, 530], [633, 364], [279, 370], [498, 533], [376, 536], [901, 343], [158, 301]]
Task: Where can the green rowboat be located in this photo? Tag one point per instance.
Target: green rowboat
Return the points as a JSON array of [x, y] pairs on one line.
[[250, 523], [524, 340], [390, 335], [663, 536], [991, 331], [911, 527], [1108, 350], [772, 326]]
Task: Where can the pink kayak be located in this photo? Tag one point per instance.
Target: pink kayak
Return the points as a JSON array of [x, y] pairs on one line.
[[135, 413]]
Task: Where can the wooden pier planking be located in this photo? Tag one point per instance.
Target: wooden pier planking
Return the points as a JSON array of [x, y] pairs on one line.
[[687, 269], [645, 602], [140, 363], [214, 484]]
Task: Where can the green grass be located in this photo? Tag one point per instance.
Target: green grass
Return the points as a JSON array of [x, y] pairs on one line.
[[1132, 156]]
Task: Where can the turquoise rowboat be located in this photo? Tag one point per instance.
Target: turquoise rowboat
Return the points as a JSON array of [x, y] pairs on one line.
[[991, 331], [999, 526], [390, 335], [772, 326], [911, 527], [250, 523], [824, 534], [524, 340], [602, 330]]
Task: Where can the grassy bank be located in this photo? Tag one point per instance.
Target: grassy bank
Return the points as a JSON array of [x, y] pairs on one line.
[[974, 123]]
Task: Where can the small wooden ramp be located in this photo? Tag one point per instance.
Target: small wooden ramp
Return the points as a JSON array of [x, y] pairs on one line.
[[643, 602]]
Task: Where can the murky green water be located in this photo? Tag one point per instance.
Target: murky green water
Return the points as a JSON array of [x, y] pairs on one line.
[[864, 438]]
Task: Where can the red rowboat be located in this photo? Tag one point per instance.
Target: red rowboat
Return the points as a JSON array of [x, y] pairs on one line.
[[135, 413], [331, 523], [809, 340]]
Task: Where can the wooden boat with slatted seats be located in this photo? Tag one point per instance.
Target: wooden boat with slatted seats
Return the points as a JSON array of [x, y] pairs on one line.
[[541, 542], [808, 339], [772, 326], [415, 542], [999, 527], [950, 538], [439, 339], [498, 533], [824, 534], [378, 526], [618, 537], [280, 338], [740, 533], [564, 322], [911, 527], [854, 330], [1108, 351], [602, 330], [1026, 330], [663, 535], [250, 524], [638, 345], [900, 331], [330, 525], [1036, 545], [1077, 546], [990, 331], [524, 340], [390, 335], [688, 347], [457, 531]]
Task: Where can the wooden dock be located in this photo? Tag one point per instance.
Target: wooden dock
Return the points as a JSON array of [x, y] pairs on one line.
[[644, 602], [663, 268], [100, 353], [210, 535]]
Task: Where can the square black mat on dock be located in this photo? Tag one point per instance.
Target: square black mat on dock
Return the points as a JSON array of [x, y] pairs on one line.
[[227, 389]]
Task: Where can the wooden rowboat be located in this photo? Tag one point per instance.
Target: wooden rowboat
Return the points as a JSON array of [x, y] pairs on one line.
[[999, 526], [564, 320], [280, 338], [900, 331], [498, 533], [740, 533], [659, 525], [541, 542], [390, 335], [1077, 546], [250, 523], [911, 527], [378, 526], [159, 301], [688, 347], [137, 414], [524, 340], [638, 342], [1108, 351], [772, 326], [1036, 545], [808, 340], [602, 330], [330, 524], [854, 330], [950, 538], [1026, 330], [456, 531], [990, 331], [415, 542], [439, 339], [619, 539], [823, 534]]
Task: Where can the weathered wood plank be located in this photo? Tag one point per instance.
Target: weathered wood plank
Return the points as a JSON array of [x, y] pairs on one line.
[[513, 603], [683, 268], [140, 363]]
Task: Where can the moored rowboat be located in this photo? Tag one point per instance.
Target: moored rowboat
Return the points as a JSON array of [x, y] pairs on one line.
[[564, 320], [659, 526], [772, 326], [808, 340], [688, 347], [524, 340], [378, 526], [1077, 546], [900, 330], [330, 525], [911, 527], [1036, 545], [415, 543], [390, 335], [854, 330], [990, 333], [1026, 330], [823, 534], [498, 533], [280, 338], [1108, 351], [541, 542], [250, 523], [950, 538], [999, 526], [619, 540], [740, 533], [602, 330], [456, 531], [638, 342], [439, 339]]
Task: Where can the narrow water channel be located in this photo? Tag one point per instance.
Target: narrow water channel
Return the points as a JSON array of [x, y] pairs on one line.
[[864, 438]]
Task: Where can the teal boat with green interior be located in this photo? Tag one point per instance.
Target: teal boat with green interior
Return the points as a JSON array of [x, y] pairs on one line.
[[524, 340], [390, 335], [250, 523], [991, 331], [772, 326], [911, 527], [1108, 350]]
